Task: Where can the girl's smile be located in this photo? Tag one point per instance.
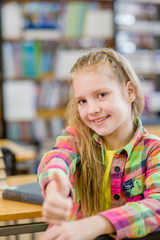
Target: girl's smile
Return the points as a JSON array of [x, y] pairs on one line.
[[102, 104], [99, 120]]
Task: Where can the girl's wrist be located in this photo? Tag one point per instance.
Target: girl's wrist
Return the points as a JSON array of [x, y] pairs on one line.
[[104, 225], [96, 225], [101, 225]]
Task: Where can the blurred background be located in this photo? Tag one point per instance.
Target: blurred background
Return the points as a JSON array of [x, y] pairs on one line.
[[40, 41]]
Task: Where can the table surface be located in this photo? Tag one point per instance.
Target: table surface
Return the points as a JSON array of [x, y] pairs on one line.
[[12, 210]]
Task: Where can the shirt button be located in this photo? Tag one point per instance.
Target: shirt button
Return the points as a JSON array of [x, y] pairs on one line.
[[116, 197], [123, 151], [117, 169]]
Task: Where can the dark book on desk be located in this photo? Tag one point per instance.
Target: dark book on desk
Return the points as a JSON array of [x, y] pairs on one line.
[[29, 193]]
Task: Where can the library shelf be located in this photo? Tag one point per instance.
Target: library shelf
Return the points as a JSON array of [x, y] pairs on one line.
[[51, 44]]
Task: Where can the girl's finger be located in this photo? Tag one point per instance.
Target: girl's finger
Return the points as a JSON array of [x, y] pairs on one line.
[[58, 201], [62, 185], [55, 214]]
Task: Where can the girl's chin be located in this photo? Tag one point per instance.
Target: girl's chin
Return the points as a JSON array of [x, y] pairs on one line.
[[101, 133]]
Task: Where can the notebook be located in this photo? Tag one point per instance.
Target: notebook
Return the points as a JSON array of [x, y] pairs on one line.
[[29, 193]]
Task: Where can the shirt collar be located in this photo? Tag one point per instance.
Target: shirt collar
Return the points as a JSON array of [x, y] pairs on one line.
[[97, 138], [140, 131]]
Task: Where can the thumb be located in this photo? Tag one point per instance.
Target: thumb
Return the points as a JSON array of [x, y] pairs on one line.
[[62, 186]]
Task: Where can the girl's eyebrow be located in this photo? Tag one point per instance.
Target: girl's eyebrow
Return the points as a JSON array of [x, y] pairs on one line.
[[78, 98], [94, 92], [102, 89]]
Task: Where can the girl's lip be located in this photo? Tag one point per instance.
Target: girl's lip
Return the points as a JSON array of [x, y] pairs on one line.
[[98, 120]]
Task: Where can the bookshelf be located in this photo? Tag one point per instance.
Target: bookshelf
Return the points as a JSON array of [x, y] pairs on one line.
[[1, 105], [137, 27], [38, 47]]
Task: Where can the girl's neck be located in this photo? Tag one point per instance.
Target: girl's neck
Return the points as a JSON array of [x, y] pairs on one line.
[[118, 140]]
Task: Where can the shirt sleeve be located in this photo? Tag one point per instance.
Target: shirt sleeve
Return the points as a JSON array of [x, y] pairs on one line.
[[62, 159], [137, 219]]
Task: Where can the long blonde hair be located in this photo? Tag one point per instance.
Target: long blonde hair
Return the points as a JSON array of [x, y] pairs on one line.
[[90, 170]]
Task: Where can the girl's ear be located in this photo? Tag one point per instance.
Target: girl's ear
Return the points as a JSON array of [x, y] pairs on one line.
[[130, 91]]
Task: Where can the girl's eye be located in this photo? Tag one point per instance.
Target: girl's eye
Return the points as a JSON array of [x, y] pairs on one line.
[[101, 95], [80, 102]]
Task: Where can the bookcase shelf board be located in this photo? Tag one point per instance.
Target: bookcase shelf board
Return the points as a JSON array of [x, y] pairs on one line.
[[45, 113]]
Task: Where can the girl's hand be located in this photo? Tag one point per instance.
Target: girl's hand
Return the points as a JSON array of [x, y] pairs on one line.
[[84, 229], [67, 231], [57, 204]]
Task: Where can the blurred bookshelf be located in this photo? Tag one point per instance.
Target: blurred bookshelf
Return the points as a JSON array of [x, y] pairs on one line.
[[137, 36], [40, 41]]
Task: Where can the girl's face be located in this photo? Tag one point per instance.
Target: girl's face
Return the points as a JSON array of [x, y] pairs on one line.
[[103, 105]]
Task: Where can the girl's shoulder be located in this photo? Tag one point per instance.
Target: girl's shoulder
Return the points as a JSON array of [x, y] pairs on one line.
[[151, 141], [68, 139], [69, 130], [150, 136]]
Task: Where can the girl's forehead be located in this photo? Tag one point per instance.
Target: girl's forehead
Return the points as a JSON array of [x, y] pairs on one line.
[[93, 79], [97, 69]]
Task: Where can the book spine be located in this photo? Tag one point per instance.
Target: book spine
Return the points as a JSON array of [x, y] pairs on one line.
[[25, 197]]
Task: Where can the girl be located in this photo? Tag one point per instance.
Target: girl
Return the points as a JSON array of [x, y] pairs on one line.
[[104, 171]]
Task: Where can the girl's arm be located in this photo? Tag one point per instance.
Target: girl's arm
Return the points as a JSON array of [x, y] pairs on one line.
[[62, 159], [54, 172], [84, 229]]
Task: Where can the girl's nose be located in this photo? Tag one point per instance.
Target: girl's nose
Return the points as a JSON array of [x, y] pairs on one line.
[[93, 108]]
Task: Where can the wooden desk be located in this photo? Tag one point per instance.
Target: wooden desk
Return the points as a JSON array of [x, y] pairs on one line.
[[12, 210]]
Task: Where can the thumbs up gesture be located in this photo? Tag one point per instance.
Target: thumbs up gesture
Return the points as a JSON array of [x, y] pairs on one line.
[[57, 205]]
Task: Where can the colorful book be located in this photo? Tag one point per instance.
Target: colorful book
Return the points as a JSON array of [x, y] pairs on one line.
[[29, 193]]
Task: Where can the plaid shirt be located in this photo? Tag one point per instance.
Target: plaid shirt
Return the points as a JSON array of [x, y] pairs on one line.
[[135, 180]]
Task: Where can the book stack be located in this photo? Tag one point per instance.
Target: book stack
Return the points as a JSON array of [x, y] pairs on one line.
[[3, 175], [29, 193]]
